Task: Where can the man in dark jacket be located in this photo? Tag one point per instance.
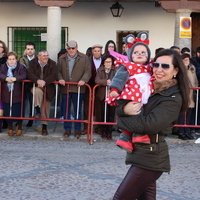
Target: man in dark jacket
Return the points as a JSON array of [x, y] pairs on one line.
[[73, 66], [29, 54], [43, 71]]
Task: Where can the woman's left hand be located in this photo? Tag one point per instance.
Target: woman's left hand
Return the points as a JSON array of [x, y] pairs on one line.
[[10, 79], [132, 108]]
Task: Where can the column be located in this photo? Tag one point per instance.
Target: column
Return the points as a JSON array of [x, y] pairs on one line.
[[181, 42], [53, 31]]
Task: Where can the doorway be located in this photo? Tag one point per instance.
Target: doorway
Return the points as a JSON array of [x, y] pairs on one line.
[[195, 32], [121, 37]]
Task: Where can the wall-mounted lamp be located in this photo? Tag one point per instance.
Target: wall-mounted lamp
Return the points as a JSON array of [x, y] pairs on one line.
[[116, 9]]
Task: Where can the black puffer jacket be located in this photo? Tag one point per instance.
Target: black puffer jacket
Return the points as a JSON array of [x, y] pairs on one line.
[[160, 113]]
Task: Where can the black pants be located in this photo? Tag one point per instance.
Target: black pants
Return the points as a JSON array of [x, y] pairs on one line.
[[110, 116], [138, 184]]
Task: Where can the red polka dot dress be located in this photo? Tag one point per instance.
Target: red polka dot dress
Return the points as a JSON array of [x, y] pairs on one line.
[[139, 85]]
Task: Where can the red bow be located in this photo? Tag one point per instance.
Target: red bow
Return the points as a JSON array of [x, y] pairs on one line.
[[137, 40]]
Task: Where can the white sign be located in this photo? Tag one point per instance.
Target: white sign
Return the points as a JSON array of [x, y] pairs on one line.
[[44, 37]]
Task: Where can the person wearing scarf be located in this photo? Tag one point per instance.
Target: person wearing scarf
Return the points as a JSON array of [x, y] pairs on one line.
[[11, 75]]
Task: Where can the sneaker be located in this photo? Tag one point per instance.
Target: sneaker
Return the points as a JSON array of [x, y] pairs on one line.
[[141, 139], [127, 146]]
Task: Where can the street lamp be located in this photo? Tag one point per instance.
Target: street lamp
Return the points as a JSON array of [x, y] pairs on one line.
[[116, 9]]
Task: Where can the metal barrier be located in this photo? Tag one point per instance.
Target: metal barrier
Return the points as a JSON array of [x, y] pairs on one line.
[[91, 105], [176, 125], [88, 121], [92, 111], [196, 112]]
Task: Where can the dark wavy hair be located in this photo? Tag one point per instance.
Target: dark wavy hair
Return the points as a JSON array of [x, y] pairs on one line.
[[106, 47], [181, 76]]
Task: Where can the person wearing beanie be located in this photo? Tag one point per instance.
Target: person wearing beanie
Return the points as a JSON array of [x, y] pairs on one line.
[[132, 82]]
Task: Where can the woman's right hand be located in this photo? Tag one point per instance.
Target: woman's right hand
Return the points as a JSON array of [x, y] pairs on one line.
[[10, 79], [132, 108]]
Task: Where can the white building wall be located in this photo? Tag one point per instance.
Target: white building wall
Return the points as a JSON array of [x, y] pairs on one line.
[[91, 22]]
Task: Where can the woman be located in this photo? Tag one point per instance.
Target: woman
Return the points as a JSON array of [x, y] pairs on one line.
[[11, 75], [110, 45], [184, 132], [3, 59], [3, 52], [149, 161], [105, 73]]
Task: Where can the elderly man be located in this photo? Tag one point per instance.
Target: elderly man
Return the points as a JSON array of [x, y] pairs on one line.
[[73, 66], [43, 71], [95, 61]]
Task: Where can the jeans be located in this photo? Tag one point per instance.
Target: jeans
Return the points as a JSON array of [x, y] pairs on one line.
[[138, 184], [72, 98]]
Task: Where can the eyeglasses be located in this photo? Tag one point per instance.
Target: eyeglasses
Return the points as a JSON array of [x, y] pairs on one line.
[[163, 65], [140, 53], [111, 47]]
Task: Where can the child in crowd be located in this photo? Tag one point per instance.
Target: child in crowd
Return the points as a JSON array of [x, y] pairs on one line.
[[132, 82]]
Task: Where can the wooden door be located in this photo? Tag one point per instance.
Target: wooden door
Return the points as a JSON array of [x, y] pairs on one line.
[[121, 36], [195, 32]]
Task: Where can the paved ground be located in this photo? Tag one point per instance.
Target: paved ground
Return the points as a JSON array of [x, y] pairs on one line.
[[49, 167]]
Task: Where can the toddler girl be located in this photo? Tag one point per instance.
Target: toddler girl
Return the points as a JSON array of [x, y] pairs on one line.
[[132, 82]]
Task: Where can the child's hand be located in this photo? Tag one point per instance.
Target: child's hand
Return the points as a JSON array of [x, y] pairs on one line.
[[114, 94]]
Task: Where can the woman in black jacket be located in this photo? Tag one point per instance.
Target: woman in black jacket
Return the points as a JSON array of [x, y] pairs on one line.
[[149, 161]]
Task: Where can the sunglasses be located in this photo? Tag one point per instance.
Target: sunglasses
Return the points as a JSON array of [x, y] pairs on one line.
[[163, 65]]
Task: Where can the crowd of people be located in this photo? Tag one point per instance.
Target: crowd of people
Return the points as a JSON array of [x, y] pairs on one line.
[[94, 67], [148, 96]]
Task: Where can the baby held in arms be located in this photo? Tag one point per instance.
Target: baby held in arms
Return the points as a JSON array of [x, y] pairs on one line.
[[132, 82]]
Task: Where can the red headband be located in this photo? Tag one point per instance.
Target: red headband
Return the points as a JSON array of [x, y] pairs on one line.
[[137, 40]]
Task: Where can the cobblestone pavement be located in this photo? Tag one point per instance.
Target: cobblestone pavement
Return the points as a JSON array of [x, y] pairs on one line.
[[35, 167]]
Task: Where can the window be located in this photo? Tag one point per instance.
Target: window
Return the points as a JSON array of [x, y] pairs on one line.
[[18, 36]]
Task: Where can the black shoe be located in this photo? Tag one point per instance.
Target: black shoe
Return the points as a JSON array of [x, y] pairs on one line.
[[175, 133], [30, 123], [190, 136], [103, 135], [109, 136], [5, 124], [183, 137]]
